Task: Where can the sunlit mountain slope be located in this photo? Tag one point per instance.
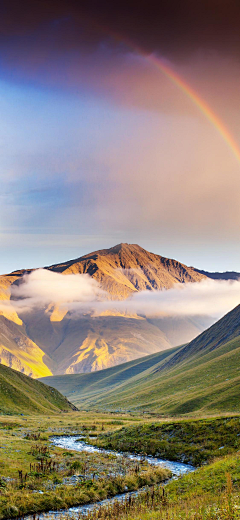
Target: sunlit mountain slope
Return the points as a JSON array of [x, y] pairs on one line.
[[48, 340]]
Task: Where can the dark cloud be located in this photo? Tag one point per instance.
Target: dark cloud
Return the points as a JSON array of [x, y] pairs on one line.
[[170, 27]]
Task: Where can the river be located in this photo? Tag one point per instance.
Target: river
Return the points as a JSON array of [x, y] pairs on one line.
[[74, 443]]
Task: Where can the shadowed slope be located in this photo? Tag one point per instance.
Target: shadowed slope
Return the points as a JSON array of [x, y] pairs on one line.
[[224, 330], [21, 394]]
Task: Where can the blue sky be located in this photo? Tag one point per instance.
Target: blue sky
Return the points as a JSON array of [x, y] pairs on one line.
[[97, 148]]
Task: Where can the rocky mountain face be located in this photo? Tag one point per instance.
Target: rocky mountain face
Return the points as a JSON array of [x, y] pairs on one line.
[[128, 268], [46, 341]]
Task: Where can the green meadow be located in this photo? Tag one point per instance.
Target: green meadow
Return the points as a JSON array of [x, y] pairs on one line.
[[37, 476], [190, 441]]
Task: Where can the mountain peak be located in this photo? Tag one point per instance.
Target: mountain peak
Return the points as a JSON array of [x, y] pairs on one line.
[[126, 268], [94, 342], [123, 246], [117, 249]]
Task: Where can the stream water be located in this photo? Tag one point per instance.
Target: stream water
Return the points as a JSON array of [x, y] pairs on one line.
[[73, 443]]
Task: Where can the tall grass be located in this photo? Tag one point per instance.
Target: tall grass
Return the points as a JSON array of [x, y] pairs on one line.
[[16, 500], [154, 504]]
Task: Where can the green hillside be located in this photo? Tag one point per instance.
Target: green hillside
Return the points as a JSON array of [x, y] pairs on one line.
[[21, 394], [202, 377], [224, 330], [84, 387]]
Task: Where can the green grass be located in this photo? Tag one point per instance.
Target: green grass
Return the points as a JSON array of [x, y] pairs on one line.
[[194, 442], [210, 493], [21, 394], [25, 448]]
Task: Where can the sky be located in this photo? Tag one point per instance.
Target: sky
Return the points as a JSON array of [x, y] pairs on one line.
[[99, 146]]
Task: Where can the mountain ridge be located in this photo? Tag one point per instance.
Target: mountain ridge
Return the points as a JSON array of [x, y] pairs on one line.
[[225, 275], [64, 345], [221, 332]]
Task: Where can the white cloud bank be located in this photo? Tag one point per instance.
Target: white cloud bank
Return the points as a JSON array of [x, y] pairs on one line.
[[209, 297], [80, 293], [42, 287]]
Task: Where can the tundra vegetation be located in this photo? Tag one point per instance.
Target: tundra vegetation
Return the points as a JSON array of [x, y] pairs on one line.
[[190, 441], [210, 493], [37, 476]]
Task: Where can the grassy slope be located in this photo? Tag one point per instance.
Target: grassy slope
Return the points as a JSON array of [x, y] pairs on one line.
[[80, 387], [202, 377], [21, 394], [221, 332], [208, 384]]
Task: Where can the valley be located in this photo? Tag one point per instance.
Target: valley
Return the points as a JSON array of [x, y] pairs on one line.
[[41, 469], [202, 377]]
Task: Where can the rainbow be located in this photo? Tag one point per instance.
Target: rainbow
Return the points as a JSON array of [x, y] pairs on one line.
[[177, 80], [197, 100]]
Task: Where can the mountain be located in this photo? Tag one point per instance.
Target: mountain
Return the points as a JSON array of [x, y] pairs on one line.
[[128, 268], [91, 343], [202, 377], [225, 330], [48, 341], [22, 394], [18, 351], [227, 275]]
